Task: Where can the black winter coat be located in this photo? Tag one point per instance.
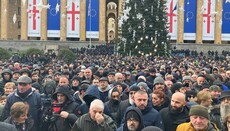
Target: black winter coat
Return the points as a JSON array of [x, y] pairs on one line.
[[172, 120]]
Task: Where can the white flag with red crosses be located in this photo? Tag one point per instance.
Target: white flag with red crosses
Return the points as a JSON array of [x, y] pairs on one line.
[[34, 19], [73, 18], [171, 8], [208, 13]]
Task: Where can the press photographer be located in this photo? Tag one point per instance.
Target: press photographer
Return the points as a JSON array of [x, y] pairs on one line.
[[62, 115]]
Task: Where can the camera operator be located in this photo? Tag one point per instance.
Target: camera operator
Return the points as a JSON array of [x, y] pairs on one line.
[[63, 107]]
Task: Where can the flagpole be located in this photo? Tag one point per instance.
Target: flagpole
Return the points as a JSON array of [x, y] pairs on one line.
[[90, 39]]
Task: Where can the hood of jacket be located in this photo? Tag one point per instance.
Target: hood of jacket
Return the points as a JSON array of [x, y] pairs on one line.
[[91, 93], [7, 71], [65, 91], [138, 111]]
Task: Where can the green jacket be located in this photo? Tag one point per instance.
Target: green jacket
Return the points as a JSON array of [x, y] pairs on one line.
[[85, 123]]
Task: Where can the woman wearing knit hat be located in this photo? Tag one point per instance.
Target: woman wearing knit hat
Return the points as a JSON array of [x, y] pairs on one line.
[[199, 120]]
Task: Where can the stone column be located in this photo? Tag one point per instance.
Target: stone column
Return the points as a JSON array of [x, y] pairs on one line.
[[180, 22], [63, 23], [102, 19], [199, 22], [120, 8], [218, 26], [83, 20], [24, 21], [4, 19], [44, 22]]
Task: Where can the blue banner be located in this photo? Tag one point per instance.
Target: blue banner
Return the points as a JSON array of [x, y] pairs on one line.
[[190, 16], [53, 18], [92, 19], [226, 18]]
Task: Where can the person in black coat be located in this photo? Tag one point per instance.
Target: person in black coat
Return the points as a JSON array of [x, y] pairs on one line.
[[65, 108], [113, 103], [133, 114], [176, 113], [125, 104]]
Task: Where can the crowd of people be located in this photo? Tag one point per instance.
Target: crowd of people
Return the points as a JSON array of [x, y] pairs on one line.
[[116, 93]]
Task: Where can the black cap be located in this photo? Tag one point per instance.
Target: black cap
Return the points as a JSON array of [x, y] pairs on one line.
[[132, 115], [152, 70], [224, 94], [103, 79]]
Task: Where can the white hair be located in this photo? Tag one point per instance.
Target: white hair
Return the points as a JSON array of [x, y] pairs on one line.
[[97, 103]]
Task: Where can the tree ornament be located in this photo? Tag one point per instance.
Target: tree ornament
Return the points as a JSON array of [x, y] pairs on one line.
[[120, 23], [139, 16], [127, 1]]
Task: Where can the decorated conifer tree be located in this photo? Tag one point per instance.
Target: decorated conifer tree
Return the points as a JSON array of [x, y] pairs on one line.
[[143, 28]]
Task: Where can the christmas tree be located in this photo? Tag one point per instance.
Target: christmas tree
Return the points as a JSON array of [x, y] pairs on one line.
[[143, 28]]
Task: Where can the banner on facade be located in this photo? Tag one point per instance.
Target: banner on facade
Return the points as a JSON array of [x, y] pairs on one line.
[[226, 21], [73, 18], [34, 19], [92, 19], [53, 18], [190, 19], [208, 13], [171, 7]]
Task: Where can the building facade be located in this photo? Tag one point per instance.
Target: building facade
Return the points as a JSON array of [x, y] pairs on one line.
[[190, 21]]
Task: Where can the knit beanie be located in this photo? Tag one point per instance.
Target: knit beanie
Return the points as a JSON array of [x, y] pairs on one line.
[[158, 80], [143, 84], [132, 114], [199, 111]]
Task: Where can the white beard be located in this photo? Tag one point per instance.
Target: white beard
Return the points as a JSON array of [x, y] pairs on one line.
[[131, 101], [224, 111]]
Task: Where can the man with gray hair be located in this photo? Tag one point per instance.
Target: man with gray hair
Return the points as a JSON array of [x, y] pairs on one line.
[[95, 119], [218, 113]]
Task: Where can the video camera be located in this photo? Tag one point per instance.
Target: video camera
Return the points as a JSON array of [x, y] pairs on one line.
[[48, 113]]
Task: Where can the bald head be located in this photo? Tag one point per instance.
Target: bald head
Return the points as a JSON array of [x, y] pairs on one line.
[[180, 96], [178, 102], [118, 77]]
